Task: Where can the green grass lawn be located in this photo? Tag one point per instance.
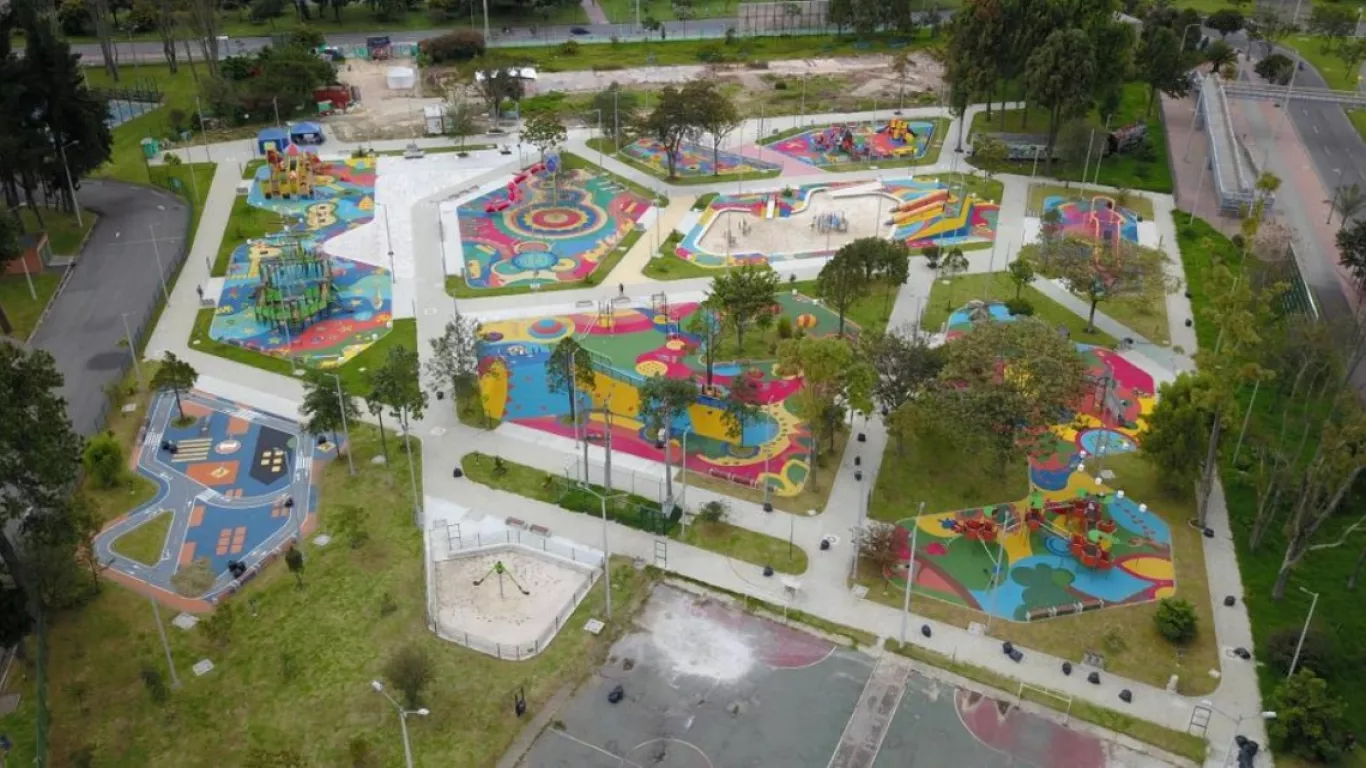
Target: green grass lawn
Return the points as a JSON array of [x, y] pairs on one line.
[[1358, 119], [624, 11], [355, 374], [1127, 171], [20, 307], [981, 186], [870, 312], [1145, 314], [63, 233], [1334, 71], [997, 286], [720, 537], [1038, 193], [942, 478], [145, 542], [247, 222]]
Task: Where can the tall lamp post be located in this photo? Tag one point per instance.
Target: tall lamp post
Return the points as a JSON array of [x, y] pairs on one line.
[[606, 551], [402, 719], [1295, 660], [69, 186], [346, 429]]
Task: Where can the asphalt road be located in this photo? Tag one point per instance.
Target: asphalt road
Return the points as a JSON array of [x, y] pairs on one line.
[[117, 273]]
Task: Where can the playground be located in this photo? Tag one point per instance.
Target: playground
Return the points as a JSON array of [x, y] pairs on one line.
[[284, 295], [1098, 218], [694, 160], [238, 485], [833, 145], [629, 344], [1075, 544], [815, 220], [538, 230]]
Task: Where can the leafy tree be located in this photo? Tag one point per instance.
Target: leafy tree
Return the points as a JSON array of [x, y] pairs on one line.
[[545, 132], [622, 105], [294, 559], [1225, 21], [975, 50], [832, 375], [103, 460], [989, 153], [1316, 651], [665, 401], [746, 296], [374, 403], [671, 122], [497, 83], [398, 386], [410, 671], [954, 263], [1348, 202], [742, 405], [1099, 272], [1219, 54], [176, 375], [1276, 68], [569, 370], [454, 361], [1352, 52], [879, 546], [1333, 22], [1162, 65], [843, 280], [1351, 240], [1060, 77], [327, 406], [15, 621], [1176, 620], [1021, 273], [905, 364], [1113, 42], [707, 325], [1178, 429], [714, 114], [1309, 720]]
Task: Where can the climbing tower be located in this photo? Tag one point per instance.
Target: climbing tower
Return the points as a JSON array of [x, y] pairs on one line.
[[296, 288]]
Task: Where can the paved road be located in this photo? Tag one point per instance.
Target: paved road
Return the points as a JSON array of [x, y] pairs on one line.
[[117, 273]]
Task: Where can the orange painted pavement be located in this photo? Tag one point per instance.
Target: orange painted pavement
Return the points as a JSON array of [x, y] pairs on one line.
[[238, 425], [213, 473], [224, 538], [194, 409], [239, 538], [196, 515], [187, 553]]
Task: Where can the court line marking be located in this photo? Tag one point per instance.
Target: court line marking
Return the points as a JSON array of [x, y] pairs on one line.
[[623, 760]]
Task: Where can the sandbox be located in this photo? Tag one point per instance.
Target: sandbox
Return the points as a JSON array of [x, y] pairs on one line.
[[823, 225], [496, 616]]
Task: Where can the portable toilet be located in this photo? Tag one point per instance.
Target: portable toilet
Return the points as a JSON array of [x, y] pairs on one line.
[[150, 148], [271, 138], [434, 115]]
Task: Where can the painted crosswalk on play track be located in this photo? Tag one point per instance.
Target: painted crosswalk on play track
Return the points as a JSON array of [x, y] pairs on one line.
[[192, 450]]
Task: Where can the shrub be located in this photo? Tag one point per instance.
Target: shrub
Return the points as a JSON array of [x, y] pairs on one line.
[[410, 671], [1317, 653], [361, 753], [1019, 307], [265, 10], [387, 604], [784, 327], [713, 511], [1238, 241], [456, 45], [1308, 720], [569, 48], [154, 681], [103, 460], [1176, 620], [781, 85], [218, 626]]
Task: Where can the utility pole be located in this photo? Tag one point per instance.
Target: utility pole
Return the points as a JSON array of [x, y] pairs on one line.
[[133, 351], [161, 630], [76, 204], [910, 573], [341, 403]]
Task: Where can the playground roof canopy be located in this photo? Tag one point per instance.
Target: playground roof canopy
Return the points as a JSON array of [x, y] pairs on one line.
[[276, 136], [306, 133]]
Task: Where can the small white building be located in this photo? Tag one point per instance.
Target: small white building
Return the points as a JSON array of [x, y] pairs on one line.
[[401, 78], [434, 115]]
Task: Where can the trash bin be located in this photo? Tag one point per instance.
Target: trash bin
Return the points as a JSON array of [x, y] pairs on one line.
[[150, 148]]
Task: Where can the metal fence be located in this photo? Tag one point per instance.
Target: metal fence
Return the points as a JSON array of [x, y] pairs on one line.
[[445, 542]]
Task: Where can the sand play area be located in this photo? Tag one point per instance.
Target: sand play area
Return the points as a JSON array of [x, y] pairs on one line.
[[513, 614], [824, 224]]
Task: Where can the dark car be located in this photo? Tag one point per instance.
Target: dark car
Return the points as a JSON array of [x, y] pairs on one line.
[[579, 31]]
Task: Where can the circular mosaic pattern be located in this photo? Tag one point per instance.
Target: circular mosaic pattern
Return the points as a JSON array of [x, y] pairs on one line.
[[559, 221], [522, 246], [806, 320], [532, 261], [546, 328], [651, 368]]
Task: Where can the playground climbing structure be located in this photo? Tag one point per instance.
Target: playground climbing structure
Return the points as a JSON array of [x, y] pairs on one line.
[[296, 288], [834, 145]]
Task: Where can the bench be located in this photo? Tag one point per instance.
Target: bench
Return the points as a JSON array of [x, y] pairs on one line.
[[513, 522], [540, 529]]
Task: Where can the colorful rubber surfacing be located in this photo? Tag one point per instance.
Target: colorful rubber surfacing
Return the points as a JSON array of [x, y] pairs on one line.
[[833, 145], [814, 220], [531, 234], [239, 485], [630, 344], [1098, 218], [1074, 544], [693, 160], [358, 304]]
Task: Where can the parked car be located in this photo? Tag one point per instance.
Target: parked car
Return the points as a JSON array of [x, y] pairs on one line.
[[579, 31]]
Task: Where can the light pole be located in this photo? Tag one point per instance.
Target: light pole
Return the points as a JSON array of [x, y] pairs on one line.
[[161, 630], [601, 138], [69, 186], [1199, 102], [133, 351], [346, 430], [1295, 660], [156, 253], [910, 573], [402, 719], [1237, 723], [858, 530], [203, 131], [1185, 31], [603, 498]]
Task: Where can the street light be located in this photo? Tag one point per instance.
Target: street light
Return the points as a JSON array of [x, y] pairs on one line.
[[70, 187], [1188, 29], [1295, 660], [402, 718], [1237, 723], [341, 404]]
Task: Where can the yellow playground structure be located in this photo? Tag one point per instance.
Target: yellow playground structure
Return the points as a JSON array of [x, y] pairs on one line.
[[291, 173], [898, 130]]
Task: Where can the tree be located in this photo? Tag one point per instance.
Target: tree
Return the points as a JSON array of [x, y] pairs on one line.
[[1178, 428], [1021, 273], [843, 280], [294, 559], [454, 361], [671, 122], [975, 50], [327, 406], [954, 263], [497, 83], [398, 383], [1332, 22], [714, 114], [741, 406], [103, 460], [1219, 54], [569, 370], [746, 295], [1348, 202], [374, 403], [707, 326], [664, 401], [1352, 52], [1351, 241], [880, 546], [1113, 41], [1162, 65], [905, 365], [460, 119], [832, 376], [623, 106], [1309, 720], [176, 375], [1176, 620], [1276, 68], [1100, 272], [410, 671], [989, 153], [545, 132], [1225, 21], [1060, 77]]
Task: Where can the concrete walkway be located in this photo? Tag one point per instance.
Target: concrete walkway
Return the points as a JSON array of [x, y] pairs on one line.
[[824, 589]]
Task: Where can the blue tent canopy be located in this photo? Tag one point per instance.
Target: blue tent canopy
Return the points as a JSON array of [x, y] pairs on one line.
[[306, 133], [278, 138]]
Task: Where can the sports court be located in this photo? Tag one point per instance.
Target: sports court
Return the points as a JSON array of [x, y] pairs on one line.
[[706, 685], [237, 484]]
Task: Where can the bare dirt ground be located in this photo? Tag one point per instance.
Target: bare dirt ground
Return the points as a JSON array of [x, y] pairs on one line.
[[796, 234], [383, 113]]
